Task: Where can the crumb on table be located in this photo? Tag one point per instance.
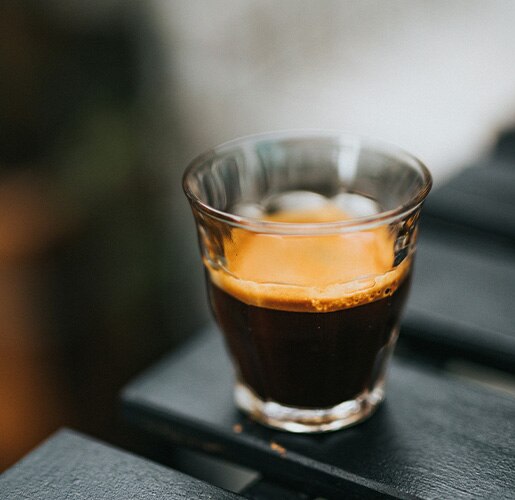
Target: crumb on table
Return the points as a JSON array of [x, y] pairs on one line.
[[277, 447]]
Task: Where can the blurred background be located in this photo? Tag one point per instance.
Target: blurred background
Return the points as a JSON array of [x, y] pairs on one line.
[[102, 105]]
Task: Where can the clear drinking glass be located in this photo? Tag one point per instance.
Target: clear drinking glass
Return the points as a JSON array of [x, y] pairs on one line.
[[307, 240]]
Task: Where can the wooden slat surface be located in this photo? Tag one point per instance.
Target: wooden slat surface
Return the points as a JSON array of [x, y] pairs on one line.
[[464, 287], [463, 295], [481, 197], [434, 437], [71, 466]]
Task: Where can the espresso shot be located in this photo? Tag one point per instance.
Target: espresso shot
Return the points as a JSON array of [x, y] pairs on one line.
[[308, 240], [310, 321]]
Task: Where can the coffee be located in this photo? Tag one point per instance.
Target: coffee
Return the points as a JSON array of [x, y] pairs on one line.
[[310, 321]]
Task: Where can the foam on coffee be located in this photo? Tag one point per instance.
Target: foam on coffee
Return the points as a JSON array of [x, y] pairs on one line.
[[307, 273]]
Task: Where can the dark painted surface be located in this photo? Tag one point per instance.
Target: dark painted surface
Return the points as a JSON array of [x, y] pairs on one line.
[[462, 296], [434, 437], [265, 490], [464, 285], [481, 197], [71, 466]]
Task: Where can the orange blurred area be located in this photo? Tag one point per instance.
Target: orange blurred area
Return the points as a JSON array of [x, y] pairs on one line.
[[33, 404]]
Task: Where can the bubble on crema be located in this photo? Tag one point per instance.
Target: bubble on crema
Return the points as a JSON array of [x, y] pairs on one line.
[[356, 205], [350, 204], [294, 200], [250, 210]]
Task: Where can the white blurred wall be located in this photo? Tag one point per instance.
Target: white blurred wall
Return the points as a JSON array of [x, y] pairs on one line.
[[436, 77]]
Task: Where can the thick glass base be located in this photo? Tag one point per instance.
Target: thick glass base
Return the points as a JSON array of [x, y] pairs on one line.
[[291, 419]]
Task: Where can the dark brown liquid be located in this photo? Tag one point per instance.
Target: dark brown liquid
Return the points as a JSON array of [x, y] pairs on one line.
[[309, 359]]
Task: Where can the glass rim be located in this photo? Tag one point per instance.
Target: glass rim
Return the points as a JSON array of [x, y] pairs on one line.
[[302, 228]]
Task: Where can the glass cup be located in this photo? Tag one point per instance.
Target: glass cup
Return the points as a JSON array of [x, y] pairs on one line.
[[308, 240]]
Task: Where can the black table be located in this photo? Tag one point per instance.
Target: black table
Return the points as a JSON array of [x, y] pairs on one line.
[[71, 466], [434, 437]]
